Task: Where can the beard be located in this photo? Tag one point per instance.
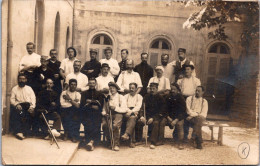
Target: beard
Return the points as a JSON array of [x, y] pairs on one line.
[[129, 68], [21, 84]]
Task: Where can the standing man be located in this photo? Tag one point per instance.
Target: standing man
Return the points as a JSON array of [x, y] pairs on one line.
[[134, 104], [66, 65], [155, 114], [22, 107], [91, 68], [91, 105], [70, 104], [168, 67], [122, 64], [197, 109], [163, 82], [188, 83], [104, 79], [179, 70], [29, 63], [117, 105], [54, 65], [41, 74], [48, 104], [176, 107], [145, 71], [129, 76], [113, 64], [82, 79]]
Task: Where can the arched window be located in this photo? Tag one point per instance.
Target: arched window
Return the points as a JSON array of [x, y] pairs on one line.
[[38, 25], [57, 32], [100, 42], [157, 48], [217, 73]]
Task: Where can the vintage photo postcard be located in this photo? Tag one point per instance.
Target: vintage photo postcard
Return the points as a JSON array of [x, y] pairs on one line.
[[130, 82]]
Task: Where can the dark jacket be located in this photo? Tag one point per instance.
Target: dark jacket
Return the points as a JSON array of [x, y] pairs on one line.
[[40, 84], [154, 107], [44, 100], [178, 70], [91, 95], [55, 67], [122, 66], [176, 106], [91, 65], [146, 72]]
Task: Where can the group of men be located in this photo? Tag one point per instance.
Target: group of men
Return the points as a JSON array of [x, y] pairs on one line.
[[120, 98]]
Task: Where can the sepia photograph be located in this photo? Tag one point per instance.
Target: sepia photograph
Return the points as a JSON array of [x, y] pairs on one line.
[[130, 82]]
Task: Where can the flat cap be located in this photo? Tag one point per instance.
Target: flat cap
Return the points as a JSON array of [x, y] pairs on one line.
[[114, 85], [93, 50], [104, 65], [154, 84], [182, 50]]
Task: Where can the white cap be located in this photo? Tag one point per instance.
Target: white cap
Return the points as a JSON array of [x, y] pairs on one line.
[[159, 67]]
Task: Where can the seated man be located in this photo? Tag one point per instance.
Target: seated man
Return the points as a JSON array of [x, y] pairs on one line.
[[47, 103], [91, 105], [134, 104], [70, 103], [22, 107], [197, 109], [104, 79], [176, 112], [116, 104], [163, 82], [155, 114]]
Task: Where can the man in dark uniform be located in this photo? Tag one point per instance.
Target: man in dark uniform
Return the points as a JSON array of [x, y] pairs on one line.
[[54, 65], [41, 74], [122, 64], [92, 68], [145, 71], [47, 102], [155, 115], [91, 105], [176, 112], [179, 69]]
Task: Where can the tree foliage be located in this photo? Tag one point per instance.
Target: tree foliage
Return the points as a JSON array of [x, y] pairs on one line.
[[216, 13]]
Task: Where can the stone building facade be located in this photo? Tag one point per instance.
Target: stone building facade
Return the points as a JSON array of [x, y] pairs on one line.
[[155, 27]]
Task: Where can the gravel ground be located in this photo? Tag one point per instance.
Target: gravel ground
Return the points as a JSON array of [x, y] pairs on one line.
[[168, 154]]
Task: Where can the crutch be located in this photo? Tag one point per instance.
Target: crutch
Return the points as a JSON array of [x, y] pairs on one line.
[[145, 127], [46, 122], [110, 126]]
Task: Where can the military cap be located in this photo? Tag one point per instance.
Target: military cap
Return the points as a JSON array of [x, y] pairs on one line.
[[182, 50], [114, 85], [154, 84], [93, 50], [191, 66], [104, 65]]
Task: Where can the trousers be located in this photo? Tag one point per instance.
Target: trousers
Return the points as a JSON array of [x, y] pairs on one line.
[[51, 116], [158, 127], [179, 131]]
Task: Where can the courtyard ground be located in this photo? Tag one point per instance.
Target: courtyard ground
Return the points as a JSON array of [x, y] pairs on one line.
[[38, 151]]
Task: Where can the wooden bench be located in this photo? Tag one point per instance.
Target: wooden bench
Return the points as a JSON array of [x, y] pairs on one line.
[[211, 126]]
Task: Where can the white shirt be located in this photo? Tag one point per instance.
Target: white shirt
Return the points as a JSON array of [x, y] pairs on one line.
[[73, 95], [188, 85], [30, 60], [133, 101], [168, 71], [173, 63], [20, 95], [82, 80], [113, 64], [102, 82], [67, 66], [163, 83], [119, 102], [197, 106], [125, 78]]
